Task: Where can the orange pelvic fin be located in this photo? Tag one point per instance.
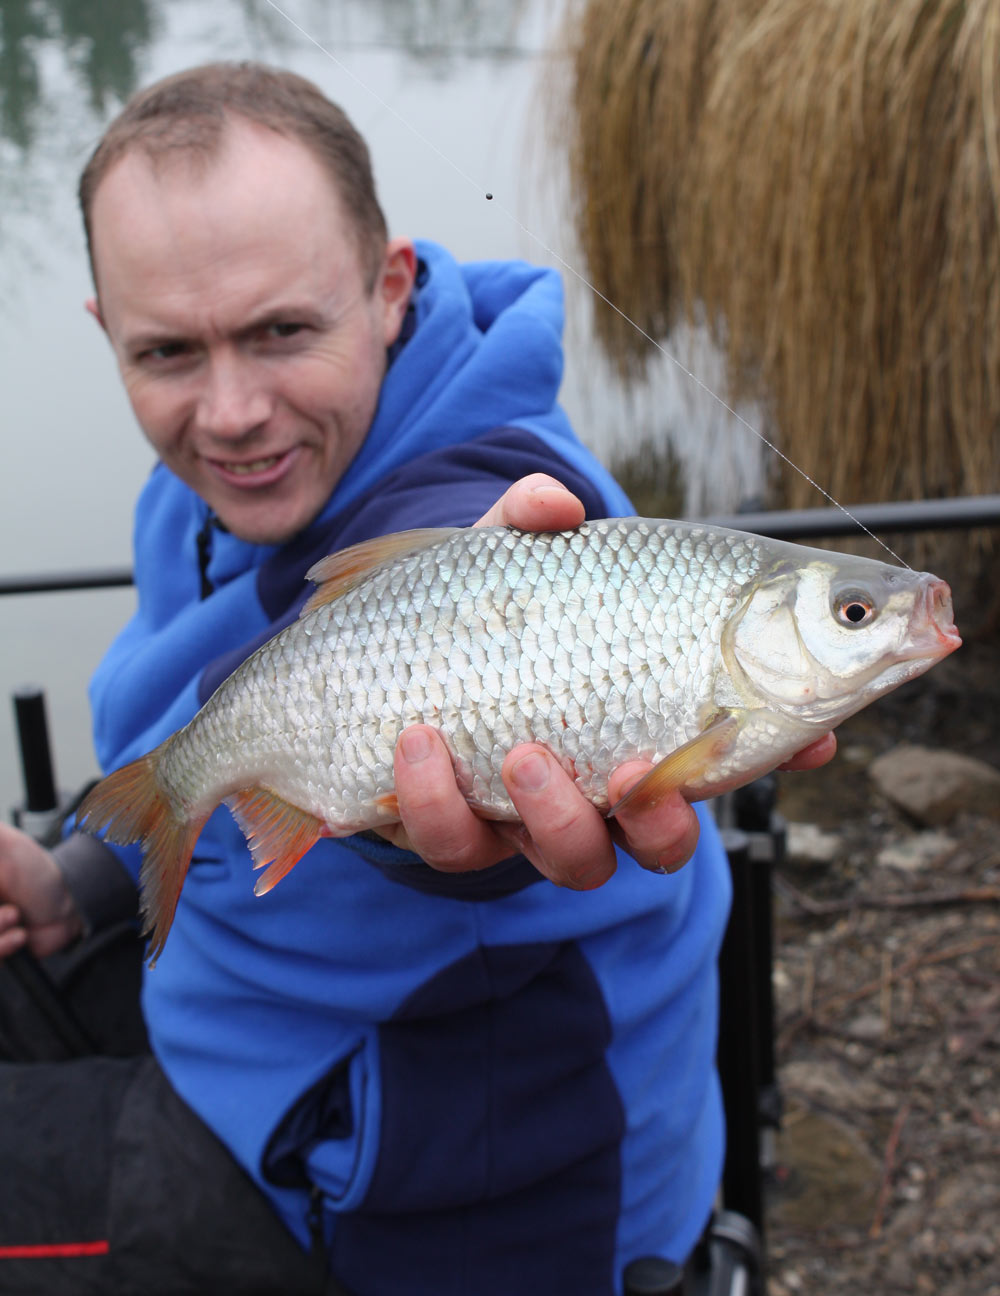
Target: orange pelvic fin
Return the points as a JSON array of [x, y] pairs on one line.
[[388, 803], [341, 571], [683, 768], [132, 806], [277, 832]]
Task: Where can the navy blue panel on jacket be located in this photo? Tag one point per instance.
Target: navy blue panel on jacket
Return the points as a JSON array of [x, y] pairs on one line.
[[503, 1055]]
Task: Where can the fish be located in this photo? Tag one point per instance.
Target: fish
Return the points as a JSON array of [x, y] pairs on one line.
[[711, 653]]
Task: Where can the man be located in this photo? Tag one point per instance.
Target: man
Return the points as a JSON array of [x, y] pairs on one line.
[[442, 1073]]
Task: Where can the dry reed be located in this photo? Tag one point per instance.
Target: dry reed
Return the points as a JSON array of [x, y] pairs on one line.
[[819, 182]]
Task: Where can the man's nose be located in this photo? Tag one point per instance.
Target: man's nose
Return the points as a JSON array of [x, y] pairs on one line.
[[234, 399]]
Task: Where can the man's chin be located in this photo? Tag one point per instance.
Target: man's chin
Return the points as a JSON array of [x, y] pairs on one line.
[[263, 526]]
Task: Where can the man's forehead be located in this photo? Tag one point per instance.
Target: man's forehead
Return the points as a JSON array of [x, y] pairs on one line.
[[258, 215], [246, 148]]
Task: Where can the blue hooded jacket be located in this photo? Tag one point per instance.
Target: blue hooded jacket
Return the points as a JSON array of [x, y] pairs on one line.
[[490, 1083]]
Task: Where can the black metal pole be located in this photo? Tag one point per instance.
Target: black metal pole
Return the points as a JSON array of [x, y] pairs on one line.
[[61, 582], [738, 1058], [755, 813], [893, 515], [42, 803], [790, 524], [36, 755]]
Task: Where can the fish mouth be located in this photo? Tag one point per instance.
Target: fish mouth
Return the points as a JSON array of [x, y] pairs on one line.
[[933, 621]]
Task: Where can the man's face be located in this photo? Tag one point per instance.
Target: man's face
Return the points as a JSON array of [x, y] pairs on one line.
[[235, 300]]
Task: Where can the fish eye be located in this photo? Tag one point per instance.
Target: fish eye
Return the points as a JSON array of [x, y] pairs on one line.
[[853, 608]]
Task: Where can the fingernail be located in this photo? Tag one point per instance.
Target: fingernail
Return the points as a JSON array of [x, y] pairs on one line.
[[415, 746], [531, 773], [669, 866], [547, 484]]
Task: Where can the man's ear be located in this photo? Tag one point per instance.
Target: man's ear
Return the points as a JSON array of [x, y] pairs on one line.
[[396, 283], [92, 307]]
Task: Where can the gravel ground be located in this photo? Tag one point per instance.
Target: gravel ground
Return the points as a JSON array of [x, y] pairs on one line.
[[887, 977]]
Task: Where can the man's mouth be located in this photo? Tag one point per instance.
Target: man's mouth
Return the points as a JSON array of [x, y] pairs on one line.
[[262, 471], [254, 466]]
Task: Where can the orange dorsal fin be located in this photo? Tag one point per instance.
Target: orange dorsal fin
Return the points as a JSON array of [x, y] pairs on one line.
[[132, 806], [339, 572], [683, 768], [277, 832]]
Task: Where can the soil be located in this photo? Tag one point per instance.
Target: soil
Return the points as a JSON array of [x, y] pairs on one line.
[[887, 979]]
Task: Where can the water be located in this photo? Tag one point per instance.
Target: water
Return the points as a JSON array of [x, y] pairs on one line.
[[448, 94]]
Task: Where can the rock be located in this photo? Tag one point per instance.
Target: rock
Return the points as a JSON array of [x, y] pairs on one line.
[[830, 1177], [866, 1026], [919, 851], [934, 786], [837, 1088], [807, 844]]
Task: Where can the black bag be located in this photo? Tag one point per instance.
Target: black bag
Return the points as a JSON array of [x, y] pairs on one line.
[[111, 1185]]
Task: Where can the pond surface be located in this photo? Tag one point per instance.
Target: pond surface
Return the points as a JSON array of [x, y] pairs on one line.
[[452, 96]]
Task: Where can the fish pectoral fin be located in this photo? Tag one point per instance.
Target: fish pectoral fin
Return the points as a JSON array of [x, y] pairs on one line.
[[388, 804], [277, 832], [684, 767], [341, 571]]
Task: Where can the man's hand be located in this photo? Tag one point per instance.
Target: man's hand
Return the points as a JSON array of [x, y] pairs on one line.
[[816, 754], [563, 835], [36, 909]]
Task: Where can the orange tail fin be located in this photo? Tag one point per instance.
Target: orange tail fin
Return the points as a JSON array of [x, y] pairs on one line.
[[134, 807]]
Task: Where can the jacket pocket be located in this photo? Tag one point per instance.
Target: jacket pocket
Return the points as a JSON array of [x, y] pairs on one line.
[[328, 1138]]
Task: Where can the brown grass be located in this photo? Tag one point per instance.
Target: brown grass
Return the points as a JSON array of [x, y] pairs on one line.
[[819, 182]]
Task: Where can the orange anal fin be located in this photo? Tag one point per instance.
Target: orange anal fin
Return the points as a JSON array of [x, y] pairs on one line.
[[388, 803], [134, 807], [339, 572], [277, 832], [683, 768]]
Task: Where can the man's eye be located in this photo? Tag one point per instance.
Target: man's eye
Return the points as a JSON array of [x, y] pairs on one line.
[[165, 351], [285, 330]]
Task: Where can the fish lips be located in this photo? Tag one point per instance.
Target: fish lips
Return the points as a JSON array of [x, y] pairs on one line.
[[933, 633]]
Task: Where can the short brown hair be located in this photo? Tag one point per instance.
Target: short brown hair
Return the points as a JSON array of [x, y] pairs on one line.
[[187, 114]]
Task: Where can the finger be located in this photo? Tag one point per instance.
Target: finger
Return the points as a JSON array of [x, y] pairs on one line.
[[535, 503], [10, 916], [12, 941], [437, 823], [816, 754], [662, 837], [568, 839], [49, 938], [12, 932]]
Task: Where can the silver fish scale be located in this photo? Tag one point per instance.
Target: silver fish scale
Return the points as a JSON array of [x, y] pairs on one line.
[[602, 644]]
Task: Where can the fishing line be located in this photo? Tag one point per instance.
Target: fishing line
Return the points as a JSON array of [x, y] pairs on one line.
[[577, 274]]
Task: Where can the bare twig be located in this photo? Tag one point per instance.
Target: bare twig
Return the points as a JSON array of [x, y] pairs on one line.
[[888, 1167], [879, 984], [920, 960], [898, 900], [885, 998]]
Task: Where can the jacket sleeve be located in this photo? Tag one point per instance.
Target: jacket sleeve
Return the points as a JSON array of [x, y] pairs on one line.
[[102, 888]]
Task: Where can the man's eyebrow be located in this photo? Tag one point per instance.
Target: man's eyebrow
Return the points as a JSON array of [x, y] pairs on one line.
[[285, 313], [149, 341]]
